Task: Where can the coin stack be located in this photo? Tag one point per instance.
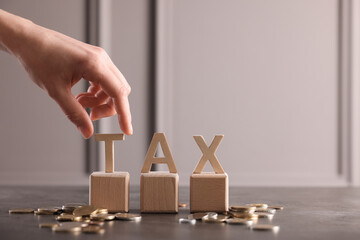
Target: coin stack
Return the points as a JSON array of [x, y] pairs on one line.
[[248, 215], [77, 217]]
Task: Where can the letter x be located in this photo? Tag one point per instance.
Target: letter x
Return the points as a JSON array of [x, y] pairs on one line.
[[208, 154]]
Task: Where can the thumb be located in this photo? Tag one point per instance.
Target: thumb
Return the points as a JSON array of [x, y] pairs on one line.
[[75, 112]]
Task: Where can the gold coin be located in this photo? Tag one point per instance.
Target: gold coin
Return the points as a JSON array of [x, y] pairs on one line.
[[70, 207], [239, 221], [86, 210], [73, 224], [265, 210], [86, 220], [251, 211], [49, 210], [66, 229], [102, 211], [265, 215], [128, 216], [21, 210], [265, 227], [259, 205], [43, 213], [96, 223], [93, 229], [183, 205], [102, 217], [69, 227], [276, 207], [47, 225], [242, 208], [197, 216], [244, 215], [218, 219], [68, 217]]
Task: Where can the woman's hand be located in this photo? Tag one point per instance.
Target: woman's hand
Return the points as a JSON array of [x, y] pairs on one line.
[[56, 62]]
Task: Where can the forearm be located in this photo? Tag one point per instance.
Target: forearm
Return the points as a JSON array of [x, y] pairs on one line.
[[13, 31]]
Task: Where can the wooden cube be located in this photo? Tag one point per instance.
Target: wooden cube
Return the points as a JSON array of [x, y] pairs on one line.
[[209, 192], [110, 190], [159, 192]]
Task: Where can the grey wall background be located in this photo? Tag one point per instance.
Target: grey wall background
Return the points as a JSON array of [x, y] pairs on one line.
[[264, 73], [38, 145]]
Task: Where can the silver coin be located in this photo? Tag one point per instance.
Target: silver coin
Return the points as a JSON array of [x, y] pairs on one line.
[[197, 216], [188, 221], [212, 215], [265, 215]]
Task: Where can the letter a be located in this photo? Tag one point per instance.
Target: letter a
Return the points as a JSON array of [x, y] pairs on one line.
[[208, 154], [150, 156]]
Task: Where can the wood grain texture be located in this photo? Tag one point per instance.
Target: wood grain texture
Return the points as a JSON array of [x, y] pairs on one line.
[[209, 154], [150, 155], [209, 192], [110, 190], [159, 192], [109, 148]]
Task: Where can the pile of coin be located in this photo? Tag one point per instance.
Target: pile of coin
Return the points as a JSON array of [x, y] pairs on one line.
[[77, 217], [247, 215]]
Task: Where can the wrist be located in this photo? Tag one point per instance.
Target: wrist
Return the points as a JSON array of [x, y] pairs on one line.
[[14, 31]]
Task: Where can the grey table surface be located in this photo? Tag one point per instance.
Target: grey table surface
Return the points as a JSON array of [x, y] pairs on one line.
[[310, 213]]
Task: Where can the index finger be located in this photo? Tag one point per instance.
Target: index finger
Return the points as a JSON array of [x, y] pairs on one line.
[[122, 107], [118, 89]]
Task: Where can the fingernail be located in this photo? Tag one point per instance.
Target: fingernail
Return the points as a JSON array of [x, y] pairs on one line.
[[131, 130]]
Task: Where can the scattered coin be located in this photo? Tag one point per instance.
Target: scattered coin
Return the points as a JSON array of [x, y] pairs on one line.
[[242, 208], [21, 210], [93, 229], [266, 210], [96, 223], [86, 219], [239, 221], [73, 224], [218, 219], [68, 227], [48, 210], [265, 215], [68, 217], [244, 215], [70, 207], [265, 227], [259, 205], [102, 217], [128, 216], [47, 225], [276, 207], [86, 210], [43, 213], [183, 205], [197, 216], [102, 211], [186, 220], [212, 214]]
